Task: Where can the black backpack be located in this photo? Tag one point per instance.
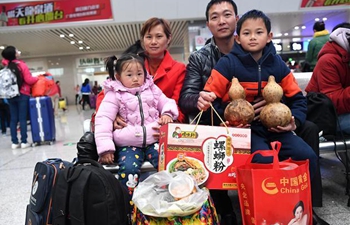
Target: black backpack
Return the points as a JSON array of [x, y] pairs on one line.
[[87, 194], [321, 111], [39, 209]]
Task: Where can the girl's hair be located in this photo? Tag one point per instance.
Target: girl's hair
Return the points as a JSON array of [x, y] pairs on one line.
[[254, 14], [154, 21], [319, 26], [135, 48], [9, 53], [114, 65]]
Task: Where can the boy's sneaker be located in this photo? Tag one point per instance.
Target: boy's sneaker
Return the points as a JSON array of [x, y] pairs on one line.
[[14, 146], [26, 145]]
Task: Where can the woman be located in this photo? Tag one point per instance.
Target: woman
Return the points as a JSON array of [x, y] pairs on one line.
[[299, 217], [86, 91], [19, 104], [167, 73]]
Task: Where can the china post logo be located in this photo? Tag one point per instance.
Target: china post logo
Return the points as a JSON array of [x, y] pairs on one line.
[[269, 187]]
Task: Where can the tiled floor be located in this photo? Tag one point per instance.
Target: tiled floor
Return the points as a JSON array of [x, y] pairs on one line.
[[16, 169]]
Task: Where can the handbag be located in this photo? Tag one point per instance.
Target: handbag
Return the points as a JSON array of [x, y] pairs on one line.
[[275, 193]]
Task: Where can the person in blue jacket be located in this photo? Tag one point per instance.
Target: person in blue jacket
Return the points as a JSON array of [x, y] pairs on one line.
[[85, 92], [252, 60]]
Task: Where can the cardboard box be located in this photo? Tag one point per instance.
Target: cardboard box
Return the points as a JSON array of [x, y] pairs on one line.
[[209, 153]]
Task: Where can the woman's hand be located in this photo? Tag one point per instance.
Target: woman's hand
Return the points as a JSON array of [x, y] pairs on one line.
[[119, 123], [107, 158], [205, 99], [164, 119], [289, 127]]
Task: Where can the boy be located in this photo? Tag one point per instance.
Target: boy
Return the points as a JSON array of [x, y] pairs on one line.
[[252, 60]]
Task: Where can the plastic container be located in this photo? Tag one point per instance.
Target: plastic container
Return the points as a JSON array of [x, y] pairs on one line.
[[181, 186]]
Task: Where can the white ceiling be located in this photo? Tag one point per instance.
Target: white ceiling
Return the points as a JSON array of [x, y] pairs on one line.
[[117, 37]]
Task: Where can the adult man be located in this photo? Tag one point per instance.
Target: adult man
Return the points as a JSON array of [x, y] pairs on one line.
[[221, 16]]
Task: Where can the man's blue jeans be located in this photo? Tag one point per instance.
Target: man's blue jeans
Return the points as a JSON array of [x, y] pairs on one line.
[[19, 111], [344, 121]]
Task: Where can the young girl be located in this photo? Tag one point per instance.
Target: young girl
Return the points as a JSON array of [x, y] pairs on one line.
[[143, 106]]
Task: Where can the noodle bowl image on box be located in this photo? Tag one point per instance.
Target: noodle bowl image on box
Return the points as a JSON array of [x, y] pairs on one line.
[[210, 154]]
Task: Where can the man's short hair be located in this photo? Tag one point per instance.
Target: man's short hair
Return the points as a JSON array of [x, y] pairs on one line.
[[213, 2]]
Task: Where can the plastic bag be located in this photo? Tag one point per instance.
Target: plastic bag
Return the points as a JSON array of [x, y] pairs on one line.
[[152, 196]]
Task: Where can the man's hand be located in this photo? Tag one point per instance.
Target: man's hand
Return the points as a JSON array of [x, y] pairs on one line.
[[205, 99], [119, 123], [107, 158], [290, 127]]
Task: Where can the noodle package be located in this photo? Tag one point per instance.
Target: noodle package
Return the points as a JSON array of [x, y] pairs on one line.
[[210, 154]]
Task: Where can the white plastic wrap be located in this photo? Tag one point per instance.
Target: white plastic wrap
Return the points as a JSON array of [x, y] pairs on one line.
[[152, 196]]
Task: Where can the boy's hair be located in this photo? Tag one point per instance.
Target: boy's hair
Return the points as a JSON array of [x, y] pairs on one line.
[[154, 21], [114, 64], [253, 14], [319, 26], [213, 2], [342, 25]]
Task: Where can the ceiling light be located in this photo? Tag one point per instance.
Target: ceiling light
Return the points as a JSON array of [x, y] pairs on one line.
[[81, 48], [61, 35], [303, 27], [285, 34], [324, 18], [71, 35], [80, 42], [2, 47], [87, 47], [317, 19], [72, 42], [296, 28], [279, 35]]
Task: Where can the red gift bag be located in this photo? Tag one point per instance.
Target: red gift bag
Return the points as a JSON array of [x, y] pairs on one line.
[[277, 193]]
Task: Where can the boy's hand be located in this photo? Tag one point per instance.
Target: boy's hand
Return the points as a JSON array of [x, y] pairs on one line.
[[258, 105], [239, 126], [164, 119], [290, 127], [119, 123], [107, 158], [204, 100]]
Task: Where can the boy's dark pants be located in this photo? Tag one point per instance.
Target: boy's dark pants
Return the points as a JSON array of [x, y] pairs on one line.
[[293, 147]]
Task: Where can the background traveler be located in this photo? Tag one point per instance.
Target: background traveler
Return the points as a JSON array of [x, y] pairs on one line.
[[19, 105]]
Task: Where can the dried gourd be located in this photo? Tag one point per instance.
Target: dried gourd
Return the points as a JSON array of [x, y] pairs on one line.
[[238, 111], [274, 112]]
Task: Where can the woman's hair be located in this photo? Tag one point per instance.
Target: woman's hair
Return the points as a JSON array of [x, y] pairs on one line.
[[319, 26], [115, 65], [9, 53], [154, 21], [299, 204], [86, 82]]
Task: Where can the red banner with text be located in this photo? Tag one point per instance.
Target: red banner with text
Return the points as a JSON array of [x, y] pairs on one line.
[[321, 3], [57, 11]]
